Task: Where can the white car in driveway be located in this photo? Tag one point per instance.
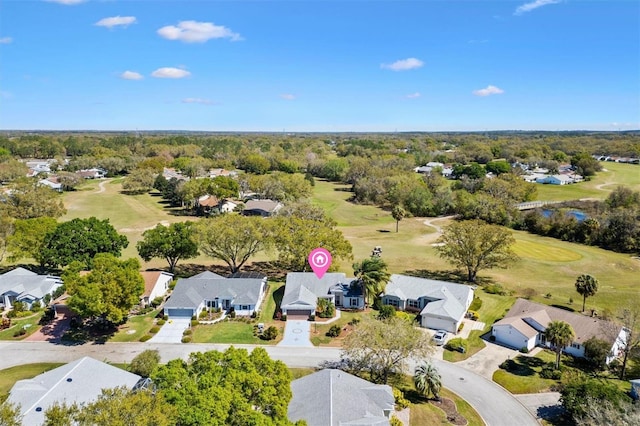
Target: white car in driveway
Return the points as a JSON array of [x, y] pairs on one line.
[[440, 337]]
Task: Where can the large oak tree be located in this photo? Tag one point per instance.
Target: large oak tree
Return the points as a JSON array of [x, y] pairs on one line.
[[476, 245], [172, 243]]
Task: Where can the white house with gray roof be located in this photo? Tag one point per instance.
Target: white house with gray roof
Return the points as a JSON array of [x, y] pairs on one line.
[[335, 398], [303, 289], [78, 382], [442, 305], [27, 287], [208, 290]]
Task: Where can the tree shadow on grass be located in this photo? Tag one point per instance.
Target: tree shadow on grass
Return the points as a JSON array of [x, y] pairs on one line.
[[454, 276], [524, 365], [270, 269]]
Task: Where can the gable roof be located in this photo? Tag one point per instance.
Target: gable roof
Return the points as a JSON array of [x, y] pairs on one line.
[[191, 292], [23, 282], [530, 318], [151, 279], [446, 299], [332, 398], [306, 287], [268, 206], [80, 381]]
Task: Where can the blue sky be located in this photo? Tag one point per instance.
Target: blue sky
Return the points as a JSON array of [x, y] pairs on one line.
[[319, 65]]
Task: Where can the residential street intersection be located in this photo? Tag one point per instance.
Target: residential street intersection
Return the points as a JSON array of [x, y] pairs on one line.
[[496, 406]]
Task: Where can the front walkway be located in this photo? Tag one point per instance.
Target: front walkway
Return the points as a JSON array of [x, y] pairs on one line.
[[296, 333]]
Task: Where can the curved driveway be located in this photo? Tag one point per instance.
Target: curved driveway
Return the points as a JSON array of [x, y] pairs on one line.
[[495, 405]]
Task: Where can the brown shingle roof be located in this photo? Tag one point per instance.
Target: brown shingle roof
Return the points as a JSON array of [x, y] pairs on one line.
[[150, 280], [584, 327]]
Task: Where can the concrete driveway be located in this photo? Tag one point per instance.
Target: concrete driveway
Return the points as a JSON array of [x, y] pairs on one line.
[[171, 331], [296, 333]]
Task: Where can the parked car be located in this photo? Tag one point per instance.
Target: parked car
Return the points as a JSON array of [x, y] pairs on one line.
[[440, 337]]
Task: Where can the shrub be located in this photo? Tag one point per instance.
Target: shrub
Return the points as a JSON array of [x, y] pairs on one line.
[[473, 315], [508, 365], [334, 331], [386, 311], [203, 314], [524, 350], [145, 362], [187, 332], [255, 314], [20, 332], [476, 304], [194, 323], [161, 322], [548, 371], [232, 314], [401, 401], [312, 317], [496, 289], [354, 321], [270, 333], [145, 338], [186, 339], [492, 338], [325, 308], [283, 317], [395, 421], [529, 293], [457, 344], [157, 301], [36, 307], [548, 295], [460, 327], [154, 329]]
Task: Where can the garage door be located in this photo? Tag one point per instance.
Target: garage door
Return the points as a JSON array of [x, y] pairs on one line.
[[298, 313], [174, 312]]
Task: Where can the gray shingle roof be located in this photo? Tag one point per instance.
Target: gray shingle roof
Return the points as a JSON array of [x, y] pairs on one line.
[[449, 299], [333, 397], [190, 292], [24, 282], [80, 381], [306, 287]]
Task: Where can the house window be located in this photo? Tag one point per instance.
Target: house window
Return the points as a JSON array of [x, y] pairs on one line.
[[575, 345], [353, 302], [414, 304], [244, 307], [393, 302]]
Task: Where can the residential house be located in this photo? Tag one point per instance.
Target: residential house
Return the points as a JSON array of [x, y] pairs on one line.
[[52, 182], [171, 173], [335, 398], [303, 289], [556, 180], [264, 208], [442, 305], [227, 205], [156, 284], [209, 291], [27, 287], [208, 204], [94, 173], [525, 323], [222, 172], [78, 382]]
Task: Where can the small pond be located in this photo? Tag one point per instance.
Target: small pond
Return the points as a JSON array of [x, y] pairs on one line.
[[577, 214]]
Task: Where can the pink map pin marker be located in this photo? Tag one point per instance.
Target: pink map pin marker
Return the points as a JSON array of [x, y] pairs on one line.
[[320, 260]]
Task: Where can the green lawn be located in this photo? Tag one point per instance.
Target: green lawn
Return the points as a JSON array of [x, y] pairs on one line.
[[136, 327], [30, 322], [319, 330], [272, 301], [231, 332], [9, 376]]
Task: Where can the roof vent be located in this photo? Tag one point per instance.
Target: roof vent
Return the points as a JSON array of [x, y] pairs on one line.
[[38, 409], [69, 379]]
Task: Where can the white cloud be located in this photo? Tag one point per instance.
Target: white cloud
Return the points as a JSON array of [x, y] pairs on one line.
[[403, 64], [168, 72], [489, 90], [413, 95], [197, 32], [528, 7], [288, 96], [5, 40], [115, 21], [66, 2], [131, 75], [196, 101]]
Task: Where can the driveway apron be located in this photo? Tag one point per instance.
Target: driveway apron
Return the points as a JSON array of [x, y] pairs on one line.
[[171, 331], [296, 333]]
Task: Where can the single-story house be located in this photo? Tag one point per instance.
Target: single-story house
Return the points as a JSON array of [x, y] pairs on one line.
[[525, 323], [335, 398], [93, 173], [52, 182], [208, 203], [262, 208], [556, 180], [79, 382], [208, 290], [303, 289], [442, 305], [227, 206], [156, 284], [635, 389], [27, 287]]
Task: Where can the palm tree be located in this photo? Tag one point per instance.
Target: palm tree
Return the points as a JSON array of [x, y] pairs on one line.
[[427, 380], [560, 334], [586, 285], [398, 214], [372, 276]]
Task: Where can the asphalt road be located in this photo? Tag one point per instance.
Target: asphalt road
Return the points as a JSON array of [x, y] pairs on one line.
[[496, 406]]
